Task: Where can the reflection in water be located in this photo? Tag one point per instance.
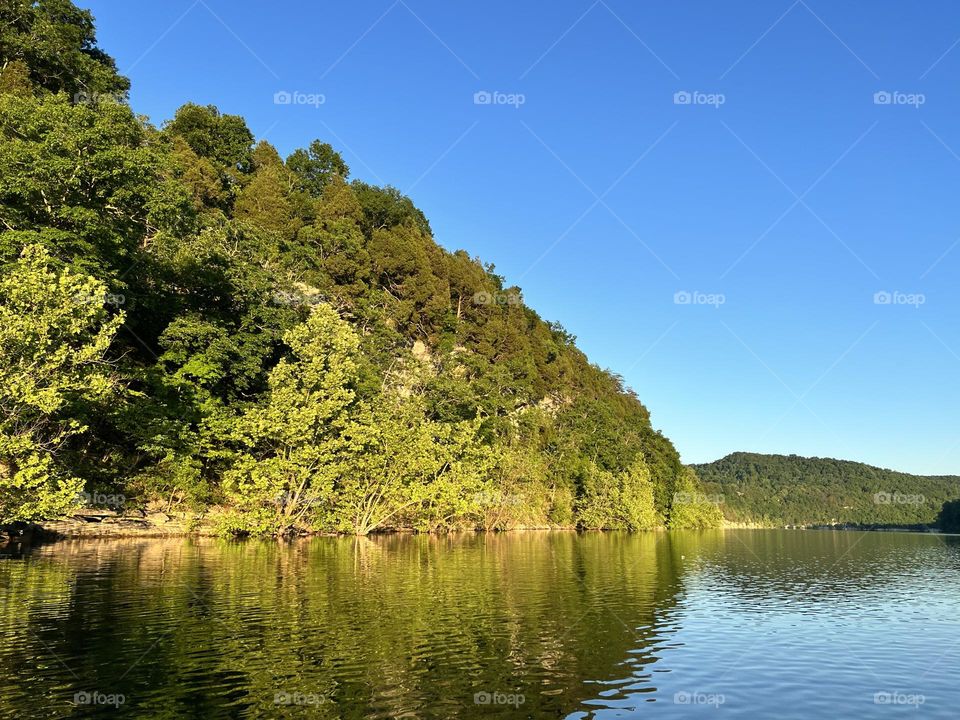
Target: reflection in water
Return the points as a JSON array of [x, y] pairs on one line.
[[751, 623]]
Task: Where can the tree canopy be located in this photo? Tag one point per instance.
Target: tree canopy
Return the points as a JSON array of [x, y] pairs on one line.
[[53, 43]]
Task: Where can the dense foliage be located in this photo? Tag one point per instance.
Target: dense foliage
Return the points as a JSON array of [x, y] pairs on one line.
[[949, 518], [190, 317], [792, 490]]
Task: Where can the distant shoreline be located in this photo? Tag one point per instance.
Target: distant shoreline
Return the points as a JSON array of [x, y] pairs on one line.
[[922, 529]]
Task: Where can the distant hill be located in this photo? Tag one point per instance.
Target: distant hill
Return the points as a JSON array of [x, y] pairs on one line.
[[793, 490]]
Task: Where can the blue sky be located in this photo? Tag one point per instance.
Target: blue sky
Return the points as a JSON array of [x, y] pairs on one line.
[[724, 254]]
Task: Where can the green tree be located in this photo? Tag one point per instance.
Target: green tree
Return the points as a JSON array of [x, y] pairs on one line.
[[949, 518], [15, 79], [637, 506], [56, 41], [54, 337], [691, 508], [293, 445], [388, 207], [316, 166], [403, 468], [597, 505], [618, 501], [225, 139], [81, 180]]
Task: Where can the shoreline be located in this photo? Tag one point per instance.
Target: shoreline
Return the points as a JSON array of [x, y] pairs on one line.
[[163, 525]]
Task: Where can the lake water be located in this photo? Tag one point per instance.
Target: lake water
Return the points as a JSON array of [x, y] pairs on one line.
[[757, 624]]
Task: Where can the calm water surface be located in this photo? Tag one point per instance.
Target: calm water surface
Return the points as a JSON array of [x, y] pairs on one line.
[[758, 624]]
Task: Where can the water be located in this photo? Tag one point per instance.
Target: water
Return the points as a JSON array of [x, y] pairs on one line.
[[758, 624]]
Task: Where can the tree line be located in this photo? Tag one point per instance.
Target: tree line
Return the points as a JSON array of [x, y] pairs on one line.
[[793, 490]]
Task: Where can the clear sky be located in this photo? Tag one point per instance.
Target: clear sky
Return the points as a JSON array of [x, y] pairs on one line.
[[778, 201]]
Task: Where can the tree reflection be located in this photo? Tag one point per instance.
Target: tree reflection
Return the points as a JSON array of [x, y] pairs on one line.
[[355, 627]]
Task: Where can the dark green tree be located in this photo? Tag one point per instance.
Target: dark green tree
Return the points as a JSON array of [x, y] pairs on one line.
[[55, 41], [316, 166], [948, 520]]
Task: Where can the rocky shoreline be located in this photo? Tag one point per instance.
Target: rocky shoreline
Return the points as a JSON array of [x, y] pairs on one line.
[[95, 524], [105, 524]]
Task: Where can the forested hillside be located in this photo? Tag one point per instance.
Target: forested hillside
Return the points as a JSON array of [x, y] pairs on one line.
[[187, 316], [792, 490]]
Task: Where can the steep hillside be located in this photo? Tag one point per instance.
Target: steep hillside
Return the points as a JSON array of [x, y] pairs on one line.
[[196, 319]]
